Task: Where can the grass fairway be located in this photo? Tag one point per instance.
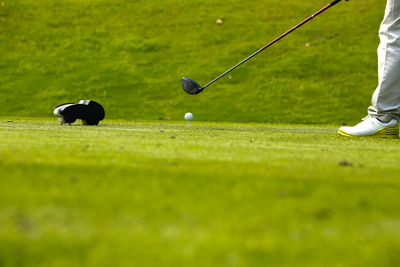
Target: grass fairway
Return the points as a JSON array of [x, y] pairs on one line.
[[219, 194]]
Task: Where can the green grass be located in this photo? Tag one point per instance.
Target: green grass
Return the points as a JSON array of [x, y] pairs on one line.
[[220, 194], [130, 56], [141, 192]]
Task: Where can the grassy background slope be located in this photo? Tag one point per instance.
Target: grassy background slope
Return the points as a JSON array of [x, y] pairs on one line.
[[131, 55]]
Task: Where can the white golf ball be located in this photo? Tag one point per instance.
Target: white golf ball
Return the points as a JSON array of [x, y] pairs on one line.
[[188, 116]]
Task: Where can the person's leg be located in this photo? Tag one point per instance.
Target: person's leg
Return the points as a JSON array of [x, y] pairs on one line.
[[384, 114], [386, 98]]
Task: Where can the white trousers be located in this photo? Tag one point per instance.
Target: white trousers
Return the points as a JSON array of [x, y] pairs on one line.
[[386, 98]]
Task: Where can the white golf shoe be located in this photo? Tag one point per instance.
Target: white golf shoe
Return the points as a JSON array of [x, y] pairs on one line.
[[372, 127]]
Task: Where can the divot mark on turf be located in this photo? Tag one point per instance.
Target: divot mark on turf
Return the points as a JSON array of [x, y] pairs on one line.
[[323, 214], [345, 163]]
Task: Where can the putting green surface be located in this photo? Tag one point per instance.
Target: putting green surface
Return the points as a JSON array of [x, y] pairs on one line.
[[218, 194]]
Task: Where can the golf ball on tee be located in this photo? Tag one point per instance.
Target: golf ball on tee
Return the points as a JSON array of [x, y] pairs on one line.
[[188, 116]]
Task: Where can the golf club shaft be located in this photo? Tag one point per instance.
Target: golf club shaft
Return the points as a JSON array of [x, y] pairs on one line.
[[274, 41]]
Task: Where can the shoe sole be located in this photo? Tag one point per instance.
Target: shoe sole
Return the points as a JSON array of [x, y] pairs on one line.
[[389, 133]]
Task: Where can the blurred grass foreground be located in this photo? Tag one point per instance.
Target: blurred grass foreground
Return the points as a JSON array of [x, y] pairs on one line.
[[157, 194]]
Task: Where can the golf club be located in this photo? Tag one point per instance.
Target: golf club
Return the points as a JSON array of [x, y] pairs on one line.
[[193, 88]]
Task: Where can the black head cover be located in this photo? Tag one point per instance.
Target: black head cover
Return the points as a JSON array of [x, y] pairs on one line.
[[190, 86], [89, 111]]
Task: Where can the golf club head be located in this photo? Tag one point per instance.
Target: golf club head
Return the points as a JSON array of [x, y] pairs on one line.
[[190, 86]]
